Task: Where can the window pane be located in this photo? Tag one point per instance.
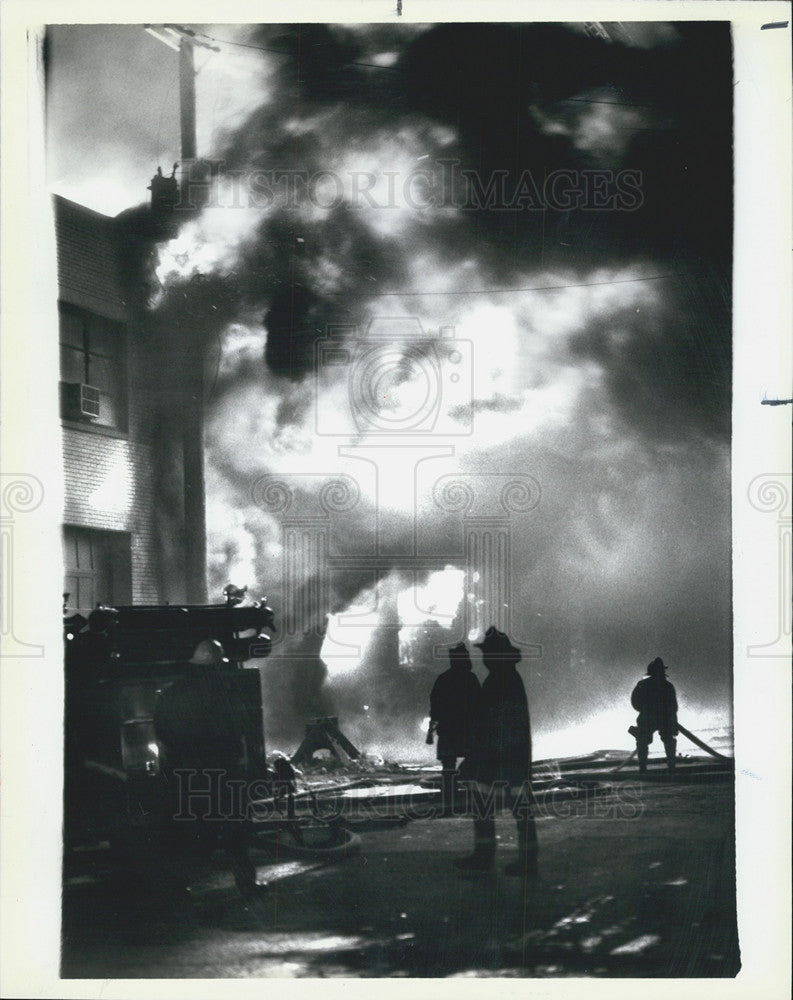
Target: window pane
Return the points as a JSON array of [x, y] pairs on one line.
[[72, 365], [108, 410], [85, 551], [103, 374], [105, 337], [85, 593], [70, 549], [71, 328], [93, 351]]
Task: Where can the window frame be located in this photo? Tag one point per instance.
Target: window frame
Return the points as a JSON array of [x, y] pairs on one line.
[[91, 322]]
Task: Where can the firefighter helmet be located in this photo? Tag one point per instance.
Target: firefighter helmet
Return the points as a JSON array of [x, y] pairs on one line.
[[496, 646], [459, 656]]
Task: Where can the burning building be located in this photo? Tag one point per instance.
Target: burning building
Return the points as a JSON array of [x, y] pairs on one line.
[[133, 528], [393, 176]]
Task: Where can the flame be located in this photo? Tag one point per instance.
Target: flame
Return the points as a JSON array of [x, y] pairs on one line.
[[187, 255], [212, 242], [350, 633], [436, 602]]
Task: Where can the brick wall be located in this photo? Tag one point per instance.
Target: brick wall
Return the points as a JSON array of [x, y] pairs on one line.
[[110, 478], [108, 486], [88, 260]]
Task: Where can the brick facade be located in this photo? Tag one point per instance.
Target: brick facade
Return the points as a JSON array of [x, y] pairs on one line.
[[108, 486], [89, 260], [111, 476]]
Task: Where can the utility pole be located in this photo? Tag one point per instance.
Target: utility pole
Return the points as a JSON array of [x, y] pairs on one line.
[[187, 98], [192, 355], [193, 436], [184, 41]]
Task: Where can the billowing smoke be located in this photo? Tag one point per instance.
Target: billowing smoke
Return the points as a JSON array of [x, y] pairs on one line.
[[562, 203]]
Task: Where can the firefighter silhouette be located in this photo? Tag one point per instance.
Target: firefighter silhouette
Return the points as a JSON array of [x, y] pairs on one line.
[[454, 701], [655, 700], [501, 756]]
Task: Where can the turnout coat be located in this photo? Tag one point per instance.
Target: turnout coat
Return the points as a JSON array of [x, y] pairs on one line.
[[454, 701], [655, 700], [502, 734]]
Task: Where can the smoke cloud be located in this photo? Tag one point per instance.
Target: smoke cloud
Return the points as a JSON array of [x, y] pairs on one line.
[[563, 203]]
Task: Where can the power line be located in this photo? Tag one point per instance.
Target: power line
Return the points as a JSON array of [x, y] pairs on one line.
[[611, 104], [243, 45], [526, 288], [390, 69], [278, 52]]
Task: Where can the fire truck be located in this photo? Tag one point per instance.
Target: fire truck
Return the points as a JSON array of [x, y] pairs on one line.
[[118, 662]]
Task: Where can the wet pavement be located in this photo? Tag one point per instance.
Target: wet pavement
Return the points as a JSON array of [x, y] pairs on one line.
[[641, 891]]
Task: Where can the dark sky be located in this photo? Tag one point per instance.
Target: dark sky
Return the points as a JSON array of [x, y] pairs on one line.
[[562, 199]]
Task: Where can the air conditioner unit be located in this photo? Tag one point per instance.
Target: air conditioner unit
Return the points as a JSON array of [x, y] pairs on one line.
[[79, 401]]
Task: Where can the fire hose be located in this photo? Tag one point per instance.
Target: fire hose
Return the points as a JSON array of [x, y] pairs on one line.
[[302, 837], [333, 843], [690, 736], [702, 745]]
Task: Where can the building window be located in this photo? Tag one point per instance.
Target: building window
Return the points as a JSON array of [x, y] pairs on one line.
[[93, 353], [97, 568]]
